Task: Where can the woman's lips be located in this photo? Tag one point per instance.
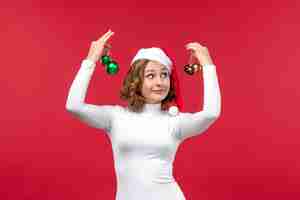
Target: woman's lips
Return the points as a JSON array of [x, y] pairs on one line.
[[158, 91]]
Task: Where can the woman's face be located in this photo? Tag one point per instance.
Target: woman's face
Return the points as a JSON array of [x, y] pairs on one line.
[[156, 84]]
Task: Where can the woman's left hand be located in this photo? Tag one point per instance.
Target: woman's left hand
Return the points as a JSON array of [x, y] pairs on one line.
[[200, 52]]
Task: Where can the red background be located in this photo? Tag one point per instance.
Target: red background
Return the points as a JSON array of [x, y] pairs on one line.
[[251, 152]]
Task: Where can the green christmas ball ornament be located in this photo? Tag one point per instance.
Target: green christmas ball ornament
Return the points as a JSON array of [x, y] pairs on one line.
[[105, 59], [112, 68]]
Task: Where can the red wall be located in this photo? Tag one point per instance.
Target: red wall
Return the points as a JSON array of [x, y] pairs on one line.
[[251, 152]]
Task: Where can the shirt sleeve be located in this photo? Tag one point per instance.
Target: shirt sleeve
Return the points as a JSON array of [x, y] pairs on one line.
[[97, 116], [191, 124]]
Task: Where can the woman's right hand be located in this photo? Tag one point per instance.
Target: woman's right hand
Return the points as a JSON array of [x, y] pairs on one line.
[[97, 47]]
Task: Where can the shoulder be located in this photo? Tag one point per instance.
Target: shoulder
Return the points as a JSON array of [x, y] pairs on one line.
[[118, 108], [122, 111], [175, 114], [180, 117]]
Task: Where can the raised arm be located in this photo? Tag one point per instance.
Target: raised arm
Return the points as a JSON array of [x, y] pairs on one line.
[[98, 116], [191, 124]]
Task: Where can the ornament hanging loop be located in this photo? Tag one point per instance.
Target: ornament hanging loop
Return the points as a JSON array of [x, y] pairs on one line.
[[106, 49]]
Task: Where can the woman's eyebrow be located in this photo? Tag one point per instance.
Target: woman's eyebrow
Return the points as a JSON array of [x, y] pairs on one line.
[[152, 70]]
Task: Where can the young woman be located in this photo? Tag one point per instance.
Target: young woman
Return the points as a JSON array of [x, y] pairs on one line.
[[144, 136]]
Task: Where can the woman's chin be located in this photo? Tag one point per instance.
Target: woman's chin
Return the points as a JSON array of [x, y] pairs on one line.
[[159, 99], [156, 98]]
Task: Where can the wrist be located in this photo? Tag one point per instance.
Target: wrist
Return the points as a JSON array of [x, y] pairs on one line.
[[92, 58], [207, 62], [88, 63]]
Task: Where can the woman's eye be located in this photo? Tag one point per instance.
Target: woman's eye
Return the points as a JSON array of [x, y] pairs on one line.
[[165, 74], [149, 75]]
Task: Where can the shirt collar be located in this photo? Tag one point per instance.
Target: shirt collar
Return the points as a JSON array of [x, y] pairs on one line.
[[152, 108]]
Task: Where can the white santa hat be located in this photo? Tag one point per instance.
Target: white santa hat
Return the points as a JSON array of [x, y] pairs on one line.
[[159, 55]]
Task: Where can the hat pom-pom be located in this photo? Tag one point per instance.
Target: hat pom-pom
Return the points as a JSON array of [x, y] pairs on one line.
[[173, 110]]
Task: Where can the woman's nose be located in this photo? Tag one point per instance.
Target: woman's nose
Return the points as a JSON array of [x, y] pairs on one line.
[[159, 81]]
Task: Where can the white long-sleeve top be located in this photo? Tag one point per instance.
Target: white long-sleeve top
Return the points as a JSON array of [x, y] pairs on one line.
[[144, 144]]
